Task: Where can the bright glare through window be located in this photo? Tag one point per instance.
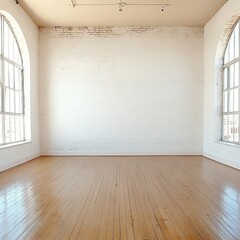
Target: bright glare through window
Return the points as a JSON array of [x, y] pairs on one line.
[[231, 89], [11, 87]]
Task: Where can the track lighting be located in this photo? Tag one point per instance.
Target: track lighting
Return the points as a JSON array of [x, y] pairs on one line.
[[163, 6], [121, 4]]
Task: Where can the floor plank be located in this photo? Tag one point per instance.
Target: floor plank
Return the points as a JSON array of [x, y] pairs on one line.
[[135, 198]]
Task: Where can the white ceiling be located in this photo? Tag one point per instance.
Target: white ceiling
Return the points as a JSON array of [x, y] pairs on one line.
[[179, 13]]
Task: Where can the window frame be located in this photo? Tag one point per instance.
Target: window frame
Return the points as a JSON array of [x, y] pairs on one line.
[[228, 87], [16, 66]]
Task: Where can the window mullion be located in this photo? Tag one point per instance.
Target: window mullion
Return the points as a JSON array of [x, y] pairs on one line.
[[12, 62], [231, 62]]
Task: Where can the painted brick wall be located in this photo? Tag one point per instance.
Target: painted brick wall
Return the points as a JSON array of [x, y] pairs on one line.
[[118, 90]]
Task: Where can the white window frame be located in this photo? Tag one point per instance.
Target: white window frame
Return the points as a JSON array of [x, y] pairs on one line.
[[230, 89], [19, 137]]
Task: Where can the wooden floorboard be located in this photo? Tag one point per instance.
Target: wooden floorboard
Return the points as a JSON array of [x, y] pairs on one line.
[[111, 198]]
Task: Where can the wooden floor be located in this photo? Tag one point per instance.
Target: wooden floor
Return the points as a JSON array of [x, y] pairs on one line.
[[112, 198]]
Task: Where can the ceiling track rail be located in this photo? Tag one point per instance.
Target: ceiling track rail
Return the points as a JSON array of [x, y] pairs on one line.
[[120, 4]]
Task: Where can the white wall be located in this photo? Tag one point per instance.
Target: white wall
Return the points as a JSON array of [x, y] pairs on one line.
[[121, 90], [13, 156], [214, 31]]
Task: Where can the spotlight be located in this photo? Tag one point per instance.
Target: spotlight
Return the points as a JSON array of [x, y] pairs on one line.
[[121, 5]]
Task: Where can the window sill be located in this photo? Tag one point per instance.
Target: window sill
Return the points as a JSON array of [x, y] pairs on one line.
[[14, 144], [229, 144]]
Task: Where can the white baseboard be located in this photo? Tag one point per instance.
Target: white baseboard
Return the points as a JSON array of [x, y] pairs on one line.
[[60, 153], [222, 160], [18, 162], [144, 153]]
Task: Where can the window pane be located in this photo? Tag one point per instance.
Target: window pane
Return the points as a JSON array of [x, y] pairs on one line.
[[17, 57], [231, 47], [225, 101], [236, 75], [7, 129], [11, 76], [231, 100], [17, 129], [226, 56], [225, 84], [17, 78], [236, 100], [1, 132], [6, 39], [236, 35], [12, 128], [10, 44], [6, 74], [231, 76], [1, 101], [236, 128], [0, 34], [16, 53], [17, 102], [230, 128], [7, 100], [21, 128], [225, 128], [12, 101], [1, 79], [21, 103]]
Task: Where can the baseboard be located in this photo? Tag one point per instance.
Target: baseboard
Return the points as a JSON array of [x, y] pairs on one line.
[[222, 160], [207, 155], [18, 162], [144, 153]]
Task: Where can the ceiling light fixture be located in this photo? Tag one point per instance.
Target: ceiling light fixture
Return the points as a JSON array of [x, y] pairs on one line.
[[121, 4]]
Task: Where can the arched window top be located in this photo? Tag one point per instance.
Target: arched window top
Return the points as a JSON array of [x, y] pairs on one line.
[[9, 47], [232, 50]]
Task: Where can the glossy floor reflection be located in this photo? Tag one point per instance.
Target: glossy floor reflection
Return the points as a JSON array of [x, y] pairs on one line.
[[90, 198]]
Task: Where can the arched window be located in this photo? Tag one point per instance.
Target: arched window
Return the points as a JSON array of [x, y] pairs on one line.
[[12, 112], [231, 89]]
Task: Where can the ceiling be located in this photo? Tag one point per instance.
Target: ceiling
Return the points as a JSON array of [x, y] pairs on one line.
[[178, 13]]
